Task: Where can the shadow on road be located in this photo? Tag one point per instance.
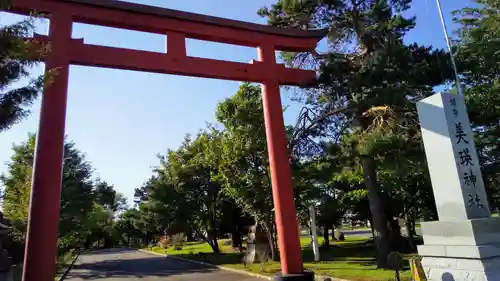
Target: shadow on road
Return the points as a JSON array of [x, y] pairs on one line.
[[107, 251], [139, 267]]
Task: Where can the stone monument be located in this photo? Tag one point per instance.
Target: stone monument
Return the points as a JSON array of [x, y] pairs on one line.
[[257, 247], [465, 243]]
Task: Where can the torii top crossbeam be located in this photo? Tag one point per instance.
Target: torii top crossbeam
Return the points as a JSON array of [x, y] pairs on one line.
[[178, 26]]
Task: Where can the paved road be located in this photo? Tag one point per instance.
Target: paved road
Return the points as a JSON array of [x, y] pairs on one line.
[[368, 233], [360, 233], [131, 265]]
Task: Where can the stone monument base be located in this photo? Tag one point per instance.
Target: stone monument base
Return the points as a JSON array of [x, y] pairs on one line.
[[305, 276], [467, 250], [456, 269]]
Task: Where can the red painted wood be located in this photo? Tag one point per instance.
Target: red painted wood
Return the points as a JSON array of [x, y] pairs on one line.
[[176, 45], [44, 207], [162, 25], [43, 222], [199, 18], [281, 175], [177, 63]]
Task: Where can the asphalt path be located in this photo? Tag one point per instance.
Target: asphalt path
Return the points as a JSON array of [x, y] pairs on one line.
[[132, 265], [361, 232], [368, 233]]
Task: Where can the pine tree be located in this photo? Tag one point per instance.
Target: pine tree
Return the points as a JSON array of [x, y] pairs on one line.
[[76, 193], [478, 58], [369, 82], [17, 57]]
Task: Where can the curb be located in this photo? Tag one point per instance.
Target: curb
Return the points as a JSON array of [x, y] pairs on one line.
[[316, 277], [69, 267]]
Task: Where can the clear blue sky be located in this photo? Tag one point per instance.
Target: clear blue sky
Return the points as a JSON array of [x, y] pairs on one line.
[[122, 119]]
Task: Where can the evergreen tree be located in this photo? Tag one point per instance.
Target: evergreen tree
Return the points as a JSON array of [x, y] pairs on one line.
[[17, 57], [369, 83], [76, 194], [478, 58]]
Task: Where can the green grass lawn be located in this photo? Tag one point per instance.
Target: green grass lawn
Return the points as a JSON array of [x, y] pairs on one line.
[[351, 259]]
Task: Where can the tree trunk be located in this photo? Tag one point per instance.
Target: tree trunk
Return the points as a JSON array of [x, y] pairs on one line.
[[411, 238], [212, 237], [236, 238], [275, 243], [325, 235], [87, 242], [395, 233], [212, 232], [410, 230], [214, 244], [273, 248], [381, 233]]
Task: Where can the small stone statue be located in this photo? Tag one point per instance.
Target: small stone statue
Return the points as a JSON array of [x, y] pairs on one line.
[[257, 247]]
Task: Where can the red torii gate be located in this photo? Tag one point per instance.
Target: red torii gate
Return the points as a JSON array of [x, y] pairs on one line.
[[40, 253]]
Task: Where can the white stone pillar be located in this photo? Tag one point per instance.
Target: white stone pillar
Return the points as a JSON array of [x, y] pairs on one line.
[[314, 233], [465, 243]]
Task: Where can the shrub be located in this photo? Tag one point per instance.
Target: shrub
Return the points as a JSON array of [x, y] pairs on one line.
[[177, 240]]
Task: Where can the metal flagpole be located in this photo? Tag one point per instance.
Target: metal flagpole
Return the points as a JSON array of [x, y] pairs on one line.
[[452, 57]]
